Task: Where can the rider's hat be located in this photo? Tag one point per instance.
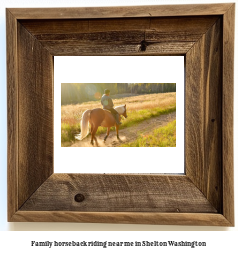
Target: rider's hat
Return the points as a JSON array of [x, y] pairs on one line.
[[106, 91]]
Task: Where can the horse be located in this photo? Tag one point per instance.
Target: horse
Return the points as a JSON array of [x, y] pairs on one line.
[[99, 117]]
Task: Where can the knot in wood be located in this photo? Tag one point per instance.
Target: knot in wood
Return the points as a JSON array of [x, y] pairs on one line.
[[79, 198], [143, 45]]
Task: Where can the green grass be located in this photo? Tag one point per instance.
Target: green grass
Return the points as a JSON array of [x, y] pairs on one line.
[[137, 116], [70, 129], [161, 137], [68, 132]]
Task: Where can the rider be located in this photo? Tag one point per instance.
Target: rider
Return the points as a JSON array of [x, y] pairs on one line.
[[107, 103]]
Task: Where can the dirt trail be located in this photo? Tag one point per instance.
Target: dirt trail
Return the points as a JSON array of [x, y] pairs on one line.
[[130, 133]]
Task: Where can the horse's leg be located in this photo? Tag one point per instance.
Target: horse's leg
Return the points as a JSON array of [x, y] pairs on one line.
[[93, 134], [117, 128], [95, 137], [108, 131], [96, 141], [92, 128]]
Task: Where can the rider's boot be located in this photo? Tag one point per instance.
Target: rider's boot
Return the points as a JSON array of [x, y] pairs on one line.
[[117, 119]]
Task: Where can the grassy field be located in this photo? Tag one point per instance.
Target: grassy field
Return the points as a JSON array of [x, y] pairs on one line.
[[139, 108], [161, 137]]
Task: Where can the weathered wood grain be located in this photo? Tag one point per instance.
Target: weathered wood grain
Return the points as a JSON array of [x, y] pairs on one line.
[[114, 193], [35, 110], [190, 25], [12, 114], [72, 48], [227, 113], [192, 219], [178, 25], [121, 11], [204, 115], [119, 36], [77, 26]]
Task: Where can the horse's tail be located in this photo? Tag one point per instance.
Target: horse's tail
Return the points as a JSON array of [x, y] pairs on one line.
[[84, 125]]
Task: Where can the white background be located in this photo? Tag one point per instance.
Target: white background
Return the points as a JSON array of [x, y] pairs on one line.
[[218, 242], [119, 69]]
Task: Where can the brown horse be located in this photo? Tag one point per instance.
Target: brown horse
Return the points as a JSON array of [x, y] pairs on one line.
[[99, 117]]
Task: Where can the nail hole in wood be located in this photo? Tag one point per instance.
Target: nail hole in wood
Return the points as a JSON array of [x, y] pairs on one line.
[[79, 198], [213, 120]]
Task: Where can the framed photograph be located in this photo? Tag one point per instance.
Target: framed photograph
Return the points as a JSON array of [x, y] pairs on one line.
[[154, 112], [121, 184]]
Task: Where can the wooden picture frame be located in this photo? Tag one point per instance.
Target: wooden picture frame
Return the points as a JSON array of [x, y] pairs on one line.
[[204, 34]]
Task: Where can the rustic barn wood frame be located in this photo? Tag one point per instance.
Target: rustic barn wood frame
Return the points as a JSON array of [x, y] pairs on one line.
[[204, 34]]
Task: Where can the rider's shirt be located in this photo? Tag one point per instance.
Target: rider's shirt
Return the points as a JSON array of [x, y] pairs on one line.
[[106, 102]]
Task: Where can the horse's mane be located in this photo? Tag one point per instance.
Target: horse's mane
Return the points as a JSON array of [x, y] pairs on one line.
[[120, 109]]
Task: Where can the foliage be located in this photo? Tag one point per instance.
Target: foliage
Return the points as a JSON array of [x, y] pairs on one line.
[[73, 93], [161, 137]]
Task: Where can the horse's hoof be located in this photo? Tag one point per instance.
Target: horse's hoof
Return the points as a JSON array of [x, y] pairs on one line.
[[119, 139], [92, 143]]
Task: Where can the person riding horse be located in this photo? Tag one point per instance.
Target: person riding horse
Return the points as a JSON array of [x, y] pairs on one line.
[[107, 103]]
